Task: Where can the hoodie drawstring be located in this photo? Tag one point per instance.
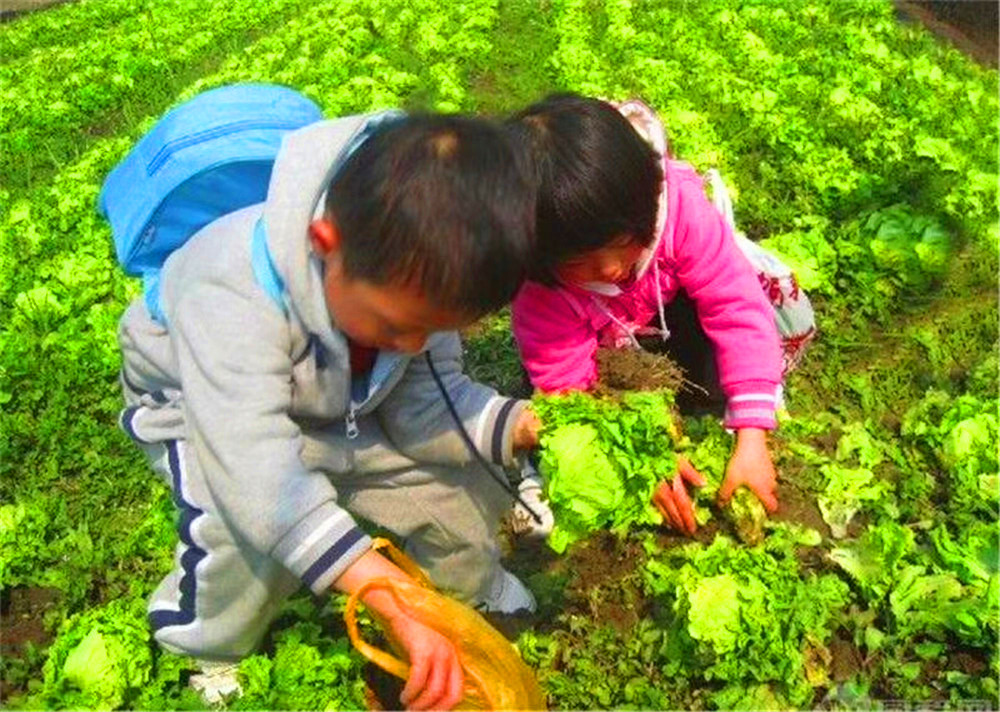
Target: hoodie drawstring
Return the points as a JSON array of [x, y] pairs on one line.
[[624, 327]]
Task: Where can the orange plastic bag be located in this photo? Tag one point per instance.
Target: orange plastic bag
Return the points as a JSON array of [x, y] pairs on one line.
[[495, 676]]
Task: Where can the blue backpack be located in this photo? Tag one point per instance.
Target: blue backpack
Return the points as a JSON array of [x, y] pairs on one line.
[[207, 157]]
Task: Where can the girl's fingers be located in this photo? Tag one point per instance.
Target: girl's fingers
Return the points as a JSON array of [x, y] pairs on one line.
[[729, 486], [684, 506], [667, 500], [687, 471], [766, 496]]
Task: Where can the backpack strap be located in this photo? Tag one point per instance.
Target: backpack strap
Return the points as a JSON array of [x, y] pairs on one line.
[[263, 267], [151, 296]]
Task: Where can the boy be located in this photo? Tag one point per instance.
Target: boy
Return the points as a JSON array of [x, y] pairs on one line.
[[384, 233]]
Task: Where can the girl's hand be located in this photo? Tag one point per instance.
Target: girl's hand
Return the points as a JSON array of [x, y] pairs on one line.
[[436, 680], [751, 466], [673, 500]]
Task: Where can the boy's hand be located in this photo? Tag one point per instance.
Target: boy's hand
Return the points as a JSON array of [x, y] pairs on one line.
[[751, 466], [526, 430], [436, 680], [673, 500]]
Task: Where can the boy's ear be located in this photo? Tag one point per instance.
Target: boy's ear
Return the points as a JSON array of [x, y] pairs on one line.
[[324, 237]]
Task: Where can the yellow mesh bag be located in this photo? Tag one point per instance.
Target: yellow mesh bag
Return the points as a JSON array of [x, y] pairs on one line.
[[495, 676]]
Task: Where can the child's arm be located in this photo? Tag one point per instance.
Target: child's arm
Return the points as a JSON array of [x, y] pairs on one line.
[[416, 418], [436, 679], [731, 305], [738, 319], [556, 343]]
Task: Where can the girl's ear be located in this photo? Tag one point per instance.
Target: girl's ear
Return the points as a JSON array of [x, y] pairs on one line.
[[324, 237]]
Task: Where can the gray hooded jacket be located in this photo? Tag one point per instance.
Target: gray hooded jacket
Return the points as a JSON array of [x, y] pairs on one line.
[[250, 377]]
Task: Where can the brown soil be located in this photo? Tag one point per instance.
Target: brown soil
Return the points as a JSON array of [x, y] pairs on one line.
[[11, 9], [798, 506], [22, 616], [606, 582], [598, 577], [971, 662], [635, 370], [969, 25], [845, 661]]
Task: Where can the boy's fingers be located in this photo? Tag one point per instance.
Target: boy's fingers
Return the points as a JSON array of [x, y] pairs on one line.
[[419, 668], [687, 471], [437, 679], [684, 506], [456, 684]]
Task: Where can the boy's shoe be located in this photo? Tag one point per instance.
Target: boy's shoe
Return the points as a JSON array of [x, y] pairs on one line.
[[531, 489], [217, 681], [509, 596]]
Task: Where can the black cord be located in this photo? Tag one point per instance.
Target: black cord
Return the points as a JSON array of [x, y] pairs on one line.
[[499, 479]]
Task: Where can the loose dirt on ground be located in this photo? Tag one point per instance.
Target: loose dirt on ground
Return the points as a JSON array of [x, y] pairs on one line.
[[22, 616], [10, 9], [635, 370]]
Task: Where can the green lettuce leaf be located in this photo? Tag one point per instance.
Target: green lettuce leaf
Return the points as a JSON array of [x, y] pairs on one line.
[[101, 658], [847, 491], [584, 486], [602, 460], [874, 559], [714, 612]]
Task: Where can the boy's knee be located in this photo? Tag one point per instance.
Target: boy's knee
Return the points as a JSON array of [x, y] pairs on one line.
[[208, 642], [466, 572]]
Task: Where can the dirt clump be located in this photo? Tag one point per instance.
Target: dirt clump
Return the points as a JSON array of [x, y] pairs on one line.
[[635, 370]]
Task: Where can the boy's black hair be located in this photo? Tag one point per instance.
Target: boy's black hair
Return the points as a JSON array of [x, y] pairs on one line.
[[596, 179], [440, 202]]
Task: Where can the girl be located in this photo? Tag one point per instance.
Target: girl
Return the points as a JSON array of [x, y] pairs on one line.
[[623, 230]]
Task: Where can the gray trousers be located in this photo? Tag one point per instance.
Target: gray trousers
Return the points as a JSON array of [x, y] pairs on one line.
[[221, 595]]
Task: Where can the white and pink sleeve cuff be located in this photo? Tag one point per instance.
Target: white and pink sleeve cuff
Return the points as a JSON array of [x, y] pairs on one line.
[[752, 405]]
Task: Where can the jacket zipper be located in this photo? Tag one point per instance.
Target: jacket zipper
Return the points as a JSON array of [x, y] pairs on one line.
[[351, 421]]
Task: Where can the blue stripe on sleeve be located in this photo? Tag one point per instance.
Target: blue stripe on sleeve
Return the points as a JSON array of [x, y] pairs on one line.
[[330, 556], [498, 430]]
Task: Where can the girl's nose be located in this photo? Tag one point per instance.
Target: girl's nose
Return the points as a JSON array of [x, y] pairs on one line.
[[609, 272]]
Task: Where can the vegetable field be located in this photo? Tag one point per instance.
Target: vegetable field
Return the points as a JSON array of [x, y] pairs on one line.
[[859, 148]]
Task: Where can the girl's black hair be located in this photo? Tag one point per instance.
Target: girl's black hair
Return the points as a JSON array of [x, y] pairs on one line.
[[596, 179], [442, 202]]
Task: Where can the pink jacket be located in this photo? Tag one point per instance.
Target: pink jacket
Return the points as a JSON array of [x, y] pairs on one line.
[[559, 329]]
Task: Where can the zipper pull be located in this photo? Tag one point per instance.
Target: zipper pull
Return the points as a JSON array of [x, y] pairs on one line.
[[352, 423]]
